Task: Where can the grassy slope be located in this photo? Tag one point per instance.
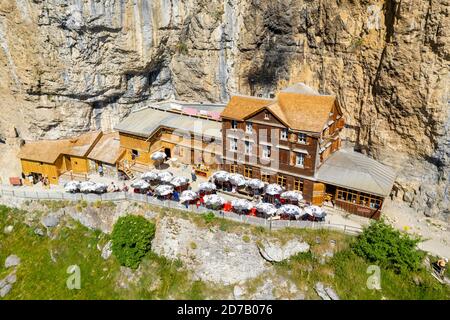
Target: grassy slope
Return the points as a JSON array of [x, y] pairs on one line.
[[41, 278], [38, 277]]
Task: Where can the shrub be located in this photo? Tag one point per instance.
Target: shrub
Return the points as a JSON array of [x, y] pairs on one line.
[[209, 217], [131, 239], [392, 249], [182, 48], [246, 238]]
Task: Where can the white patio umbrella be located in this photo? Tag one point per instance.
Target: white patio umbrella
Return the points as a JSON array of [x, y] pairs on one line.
[[163, 190], [237, 179], [290, 209], [206, 186], [315, 211], [188, 195], [72, 186], [273, 189], [292, 195], [213, 200], [150, 176], [255, 184], [220, 176], [179, 181], [100, 188], [158, 156], [241, 204], [87, 186], [140, 184], [165, 176], [266, 208]]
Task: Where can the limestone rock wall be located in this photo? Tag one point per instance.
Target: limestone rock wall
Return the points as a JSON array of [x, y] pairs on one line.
[[68, 66]]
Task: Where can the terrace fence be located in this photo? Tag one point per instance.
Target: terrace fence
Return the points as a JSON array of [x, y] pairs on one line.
[[142, 198]]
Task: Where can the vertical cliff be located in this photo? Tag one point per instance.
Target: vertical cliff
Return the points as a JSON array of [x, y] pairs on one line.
[[72, 65]]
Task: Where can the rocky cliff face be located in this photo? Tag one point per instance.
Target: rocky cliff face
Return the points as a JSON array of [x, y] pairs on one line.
[[72, 65]]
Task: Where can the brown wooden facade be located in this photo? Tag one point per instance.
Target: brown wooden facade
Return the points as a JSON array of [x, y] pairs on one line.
[[267, 130]]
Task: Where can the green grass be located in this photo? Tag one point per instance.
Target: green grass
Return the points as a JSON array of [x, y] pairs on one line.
[[39, 277], [54, 206], [347, 274]]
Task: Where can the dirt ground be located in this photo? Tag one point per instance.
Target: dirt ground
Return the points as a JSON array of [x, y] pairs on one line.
[[436, 232]]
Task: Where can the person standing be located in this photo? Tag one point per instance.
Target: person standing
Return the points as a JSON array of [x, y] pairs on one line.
[[193, 175], [442, 265], [100, 170]]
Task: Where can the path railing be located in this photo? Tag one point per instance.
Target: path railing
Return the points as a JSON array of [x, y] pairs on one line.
[[122, 196]]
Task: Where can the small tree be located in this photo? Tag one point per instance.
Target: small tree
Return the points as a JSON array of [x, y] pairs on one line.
[[380, 243], [131, 239]]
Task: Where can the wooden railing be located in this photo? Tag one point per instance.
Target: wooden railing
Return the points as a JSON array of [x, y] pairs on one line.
[[373, 213]]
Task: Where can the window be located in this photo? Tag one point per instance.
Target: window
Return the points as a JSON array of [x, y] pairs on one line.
[[347, 195], [266, 152], [375, 203], [248, 172], [248, 147], [301, 138], [284, 134], [233, 124], [249, 127], [360, 198], [233, 144], [298, 185], [266, 115], [281, 180], [364, 199], [134, 154], [265, 177], [233, 168], [299, 159]]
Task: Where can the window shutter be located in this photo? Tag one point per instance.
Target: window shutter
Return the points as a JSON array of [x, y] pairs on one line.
[[292, 159]]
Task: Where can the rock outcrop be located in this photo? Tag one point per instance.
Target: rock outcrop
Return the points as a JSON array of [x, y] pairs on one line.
[[73, 66], [214, 255], [274, 251]]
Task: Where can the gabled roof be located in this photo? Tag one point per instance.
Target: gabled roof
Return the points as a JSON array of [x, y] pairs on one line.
[[299, 107], [240, 107], [305, 112], [107, 149], [48, 151], [358, 172]]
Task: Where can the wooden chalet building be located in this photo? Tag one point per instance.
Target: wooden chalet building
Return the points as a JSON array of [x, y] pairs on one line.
[[53, 158], [189, 132], [287, 140]]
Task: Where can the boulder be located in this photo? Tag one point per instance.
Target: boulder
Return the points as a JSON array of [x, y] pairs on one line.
[[5, 290], [11, 278], [50, 221], [274, 251], [8, 229], [326, 293], [39, 232], [238, 292], [107, 250], [12, 261], [320, 289]]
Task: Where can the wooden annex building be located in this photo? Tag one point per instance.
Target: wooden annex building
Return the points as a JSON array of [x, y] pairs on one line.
[[73, 156], [190, 133]]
